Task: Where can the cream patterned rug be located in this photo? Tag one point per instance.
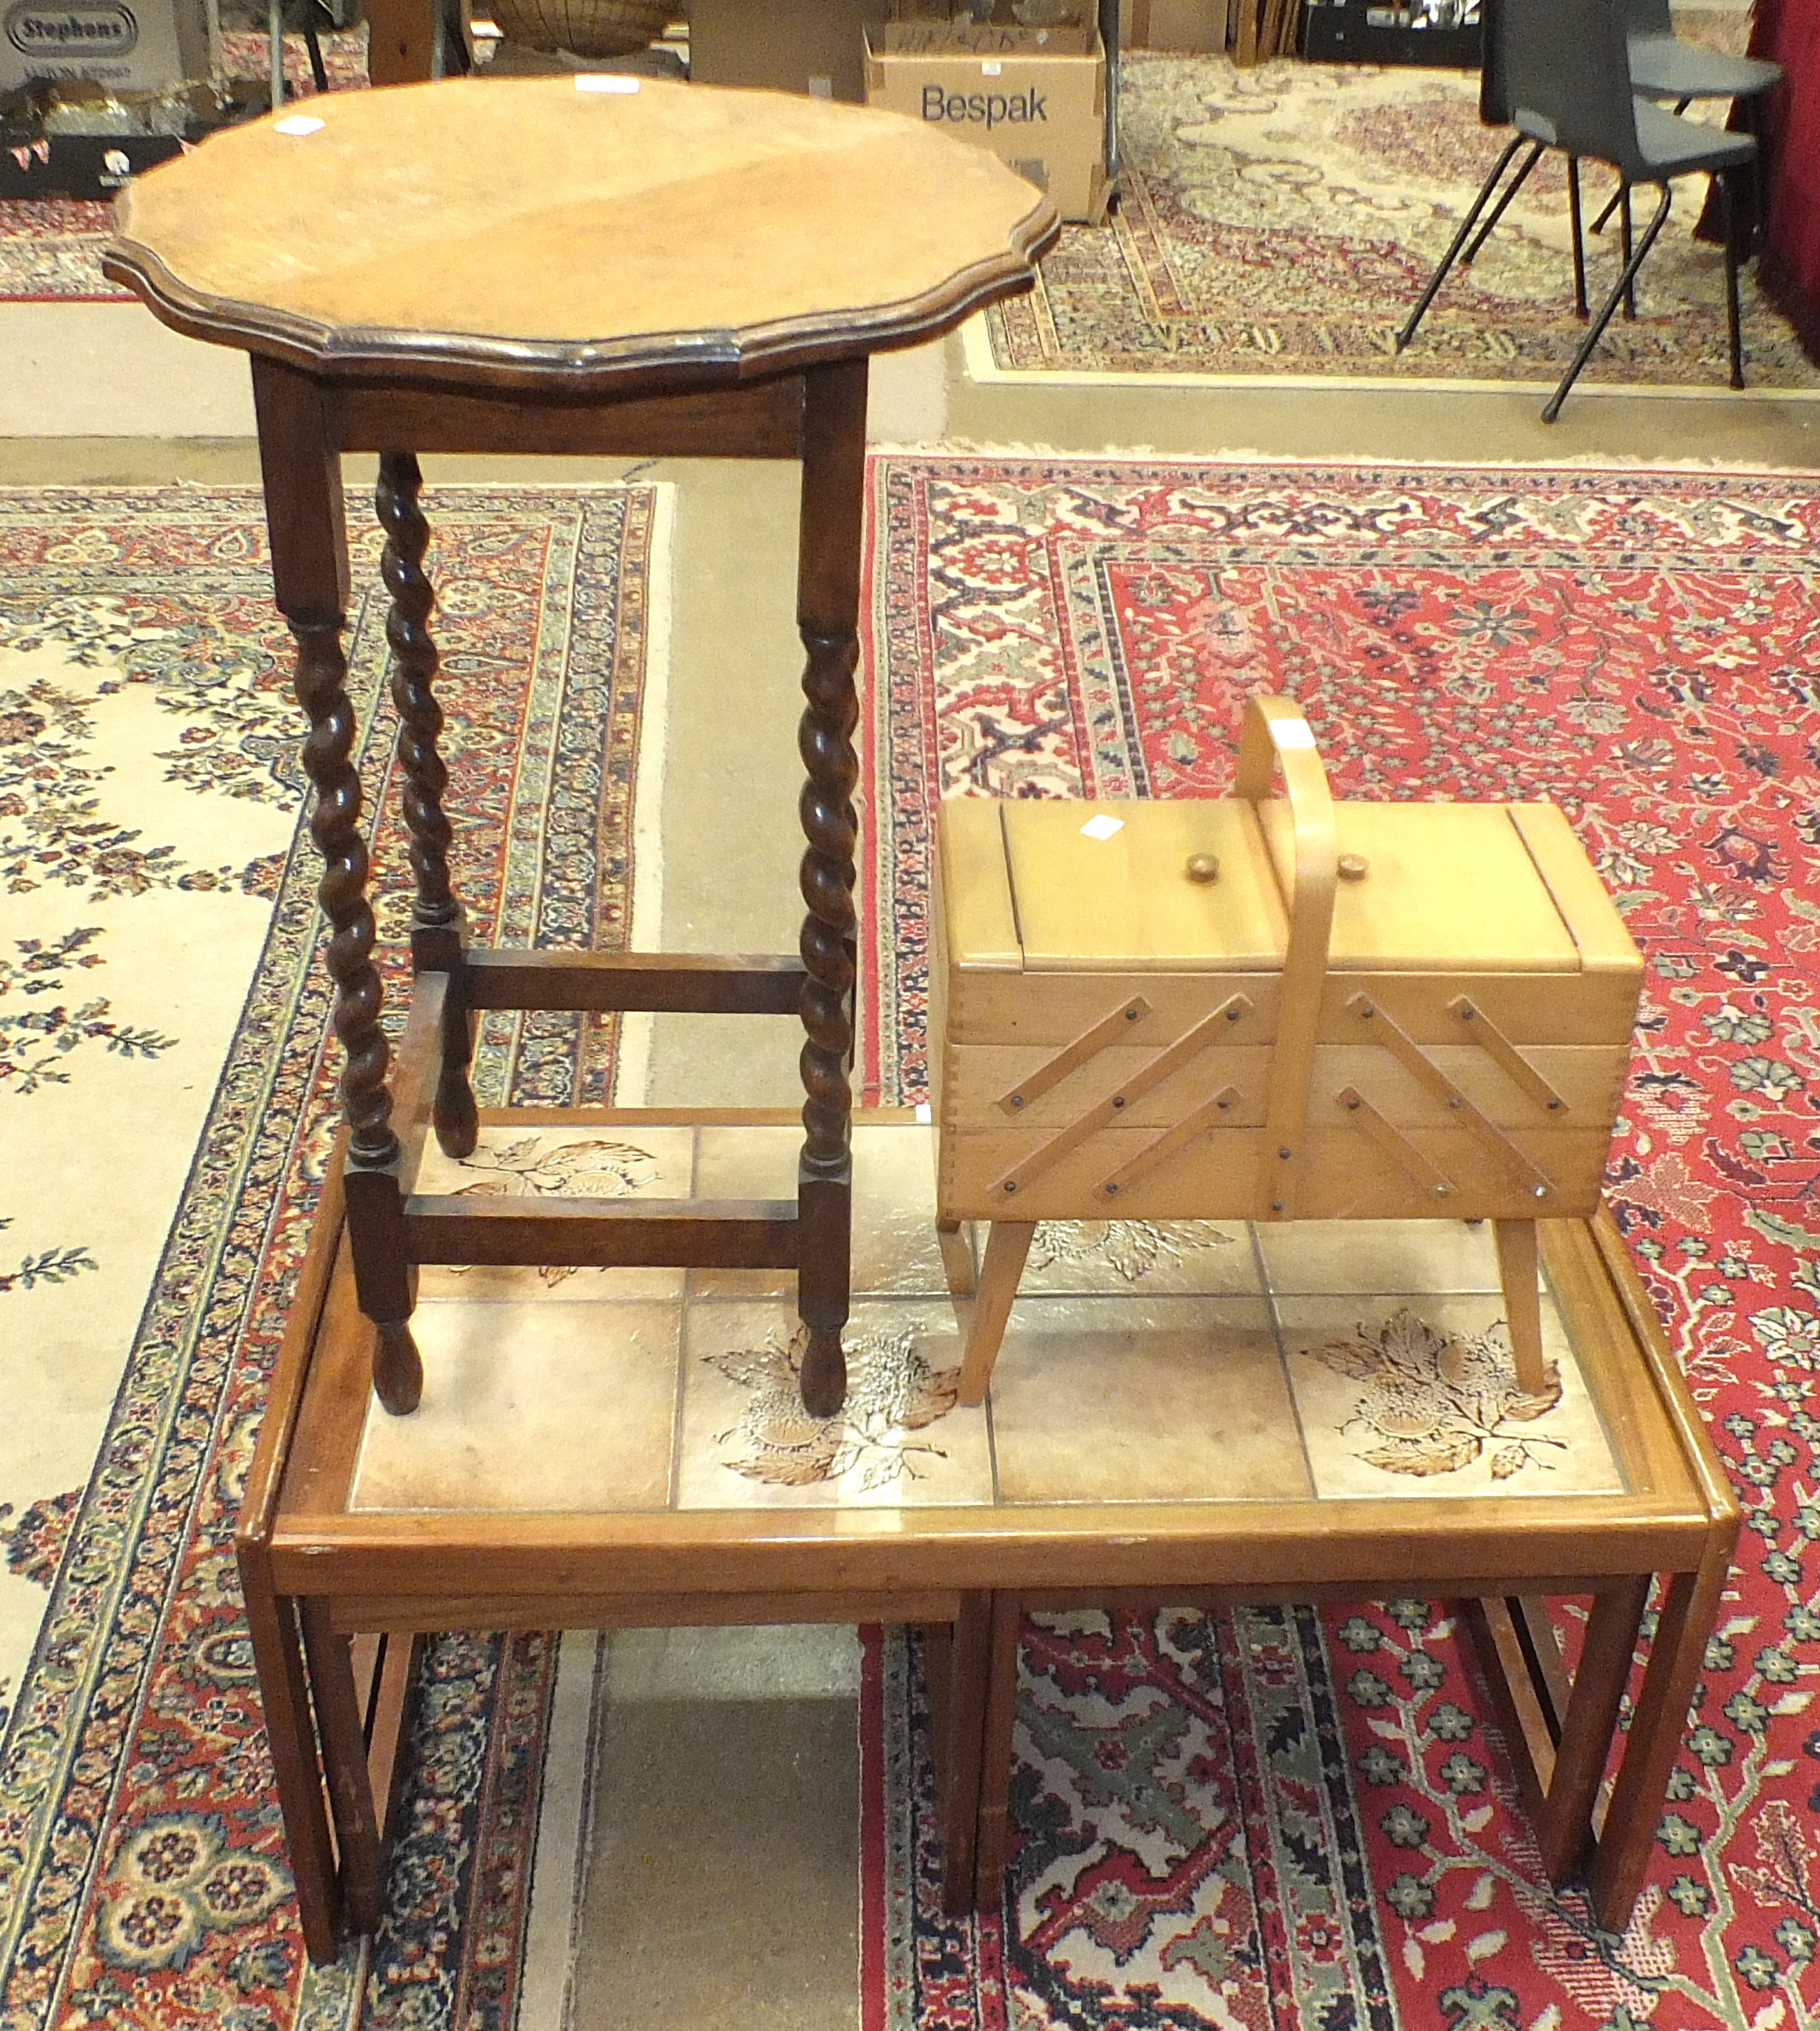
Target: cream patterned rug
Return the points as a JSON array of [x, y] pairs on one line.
[[1283, 220], [166, 1112]]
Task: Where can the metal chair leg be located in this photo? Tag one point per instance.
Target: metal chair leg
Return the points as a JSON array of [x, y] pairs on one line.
[[1732, 214], [1626, 282], [313, 44], [1460, 239], [1516, 184], [1580, 243]]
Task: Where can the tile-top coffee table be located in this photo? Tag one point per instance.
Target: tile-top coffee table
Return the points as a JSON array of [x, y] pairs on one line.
[[1179, 1413], [578, 265]]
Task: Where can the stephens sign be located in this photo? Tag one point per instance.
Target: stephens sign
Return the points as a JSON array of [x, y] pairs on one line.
[[130, 45], [88, 26]]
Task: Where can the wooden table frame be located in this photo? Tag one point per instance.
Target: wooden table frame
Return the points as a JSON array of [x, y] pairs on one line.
[[336, 1693], [1560, 1729], [318, 1577], [305, 425], [785, 377], [1592, 1796]]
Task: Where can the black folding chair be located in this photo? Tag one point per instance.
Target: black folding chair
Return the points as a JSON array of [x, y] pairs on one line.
[[1666, 65], [1560, 71]]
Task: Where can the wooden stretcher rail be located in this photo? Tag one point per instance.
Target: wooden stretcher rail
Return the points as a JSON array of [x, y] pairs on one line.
[[604, 1234], [705, 984], [428, 1613]]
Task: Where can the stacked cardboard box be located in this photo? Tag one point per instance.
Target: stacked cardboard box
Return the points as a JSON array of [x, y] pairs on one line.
[[812, 46], [1251, 29], [1035, 96]]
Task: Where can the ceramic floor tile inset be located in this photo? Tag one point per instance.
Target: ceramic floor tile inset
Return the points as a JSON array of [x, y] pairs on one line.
[[747, 1442], [613, 1160], [895, 1253], [1418, 1395], [1178, 1400], [1314, 1256], [530, 1406], [1084, 1256]]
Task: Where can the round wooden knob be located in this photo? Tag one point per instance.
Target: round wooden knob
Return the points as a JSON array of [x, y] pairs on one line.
[[1354, 867], [1204, 867]]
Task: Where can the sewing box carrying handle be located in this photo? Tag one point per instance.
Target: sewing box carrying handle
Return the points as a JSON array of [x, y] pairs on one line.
[[1277, 737]]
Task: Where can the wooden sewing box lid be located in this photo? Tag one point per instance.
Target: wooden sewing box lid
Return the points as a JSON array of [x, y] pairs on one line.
[[1046, 886]]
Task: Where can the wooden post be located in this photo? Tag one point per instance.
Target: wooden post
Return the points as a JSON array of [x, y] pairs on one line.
[[828, 616], [305, 521]]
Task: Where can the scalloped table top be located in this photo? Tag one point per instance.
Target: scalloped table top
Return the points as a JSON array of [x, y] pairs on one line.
[[527, 224]]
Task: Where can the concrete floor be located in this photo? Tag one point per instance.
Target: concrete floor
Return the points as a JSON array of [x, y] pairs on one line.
[[720, 1821]]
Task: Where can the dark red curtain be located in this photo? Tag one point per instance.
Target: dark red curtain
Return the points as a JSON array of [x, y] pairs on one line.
[[1787, 31]]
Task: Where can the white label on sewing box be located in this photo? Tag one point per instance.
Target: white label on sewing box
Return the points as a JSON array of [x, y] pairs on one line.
[[1103, 826]]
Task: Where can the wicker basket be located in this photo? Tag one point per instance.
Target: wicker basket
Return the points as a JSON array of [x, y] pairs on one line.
[[584, 27]]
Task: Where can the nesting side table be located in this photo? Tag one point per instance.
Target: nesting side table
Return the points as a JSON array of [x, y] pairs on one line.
[[1122, 1500], [603, 265]]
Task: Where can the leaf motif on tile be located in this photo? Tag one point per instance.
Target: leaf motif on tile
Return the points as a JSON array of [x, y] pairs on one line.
[[1131, 1248], [534, 1166], [892, 1391], [594, 1168], [1434, 1402], [1346, 1359], [1423, 1457]]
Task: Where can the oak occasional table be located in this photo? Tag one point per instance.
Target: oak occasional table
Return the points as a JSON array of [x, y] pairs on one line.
[[599, 266], [1184, 1446]]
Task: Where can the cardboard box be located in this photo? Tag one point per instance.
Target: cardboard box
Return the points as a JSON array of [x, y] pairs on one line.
[[128, 45], [1184, 27], [812, 46], [1035, 96], [999, 13]]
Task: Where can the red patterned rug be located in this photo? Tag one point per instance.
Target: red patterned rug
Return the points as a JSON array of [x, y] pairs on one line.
[[1303, 1820]]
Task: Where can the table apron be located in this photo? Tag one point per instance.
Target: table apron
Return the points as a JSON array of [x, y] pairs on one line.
[[356, 1568], [400, 1614], [756, 420]]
